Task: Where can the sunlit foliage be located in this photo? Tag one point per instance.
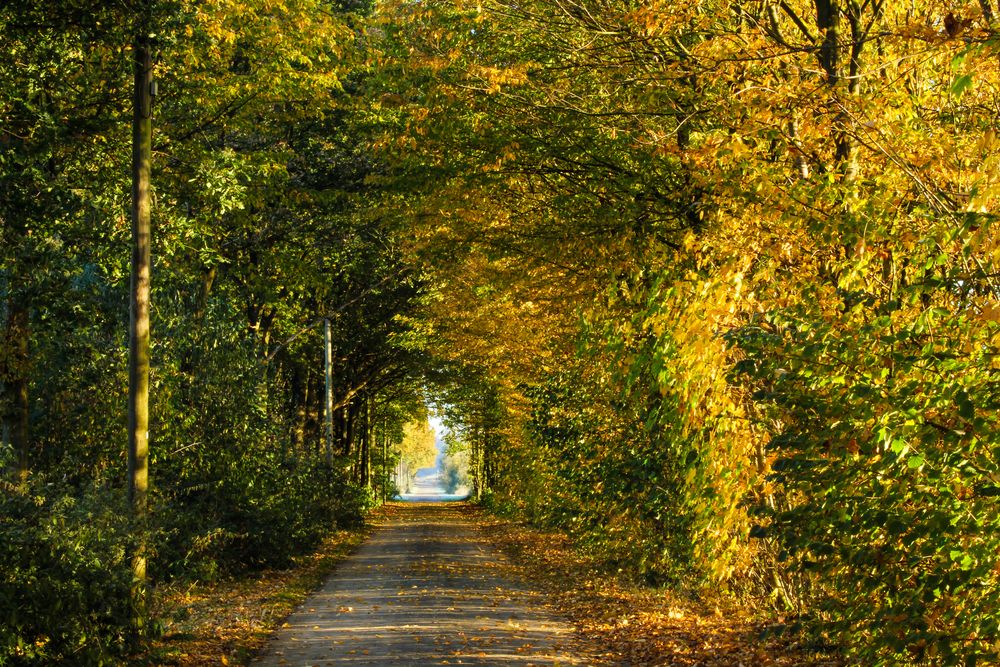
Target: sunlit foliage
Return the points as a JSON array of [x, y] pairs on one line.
[[732, 265], [710, 285]]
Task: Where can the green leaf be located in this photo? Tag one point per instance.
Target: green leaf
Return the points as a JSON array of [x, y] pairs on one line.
[[966, 410], [961, 84]]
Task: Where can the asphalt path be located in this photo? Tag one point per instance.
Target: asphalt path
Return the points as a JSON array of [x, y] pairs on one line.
[[426, 589]]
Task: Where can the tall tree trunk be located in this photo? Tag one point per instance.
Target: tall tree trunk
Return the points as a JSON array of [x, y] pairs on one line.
[[201, 305], [20, 435], [475, 463], [315, 430], [138, 401], [350, 424], [831, 56], [489, 463], [339, 428], [299, 408], [14, 379]]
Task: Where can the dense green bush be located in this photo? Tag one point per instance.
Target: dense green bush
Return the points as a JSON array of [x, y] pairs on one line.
[[453, 477], [884, 416], [64, 571], [277, 514], [594, 470], [64, 577], [261, 516]]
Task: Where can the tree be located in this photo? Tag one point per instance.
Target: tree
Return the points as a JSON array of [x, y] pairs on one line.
[[763, 242], [417, 450], [139, 321]]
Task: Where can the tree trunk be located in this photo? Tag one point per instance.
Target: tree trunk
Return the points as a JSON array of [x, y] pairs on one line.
[[14, 378], [828, 19], [489, 463], [350, 424], [138, 401], [339, 428], [300, 408], [201, 305], [987, 8], [20, 435], [475, 464]]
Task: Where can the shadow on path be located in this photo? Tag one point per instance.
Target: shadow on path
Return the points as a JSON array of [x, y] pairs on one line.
[[425, 589]]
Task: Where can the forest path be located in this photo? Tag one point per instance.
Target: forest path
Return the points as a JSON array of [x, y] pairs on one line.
[[426, 588]]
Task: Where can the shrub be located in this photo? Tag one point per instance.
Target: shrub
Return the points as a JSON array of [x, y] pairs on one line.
[[261, 514], [885, 467], [64, 577]]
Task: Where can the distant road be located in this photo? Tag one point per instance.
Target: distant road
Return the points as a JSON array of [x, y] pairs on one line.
[[428, 489], [426, 589]]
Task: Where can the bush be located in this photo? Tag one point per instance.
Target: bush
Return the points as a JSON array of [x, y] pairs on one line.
[[602, 477], [64, 577], [453, 476], [886, 472], [261, 514]]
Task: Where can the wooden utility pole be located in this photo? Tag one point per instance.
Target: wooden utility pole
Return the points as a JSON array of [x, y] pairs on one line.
[[365, 472], [138, 361], [328, 394]]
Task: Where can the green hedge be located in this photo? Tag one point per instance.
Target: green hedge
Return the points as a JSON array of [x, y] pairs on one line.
[[64, 578]]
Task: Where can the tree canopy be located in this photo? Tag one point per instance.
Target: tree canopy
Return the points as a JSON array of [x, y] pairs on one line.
[[711, 285]]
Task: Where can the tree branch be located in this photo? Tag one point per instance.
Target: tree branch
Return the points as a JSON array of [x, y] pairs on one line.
[[799, 22], [987, 8]]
